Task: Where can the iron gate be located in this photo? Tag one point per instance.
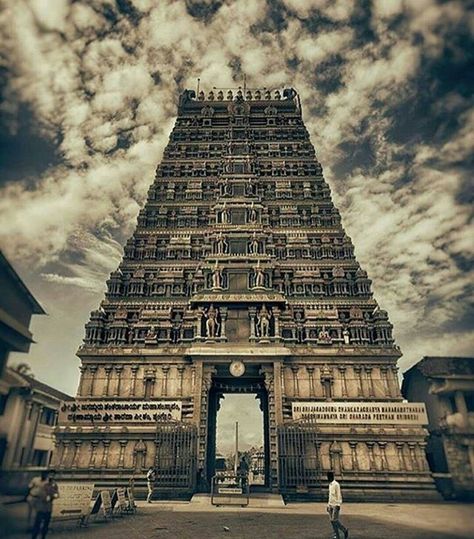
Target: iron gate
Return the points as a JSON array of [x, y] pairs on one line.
[[299, 461], [175, 459]]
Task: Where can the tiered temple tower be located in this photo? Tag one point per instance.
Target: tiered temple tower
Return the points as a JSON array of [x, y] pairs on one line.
[[240, 278]]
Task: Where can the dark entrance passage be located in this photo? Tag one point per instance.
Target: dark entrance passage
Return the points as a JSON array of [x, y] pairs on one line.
[[227, 398]]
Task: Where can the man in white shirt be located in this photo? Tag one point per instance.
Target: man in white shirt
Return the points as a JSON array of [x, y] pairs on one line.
[[150, 481], [334, 507]]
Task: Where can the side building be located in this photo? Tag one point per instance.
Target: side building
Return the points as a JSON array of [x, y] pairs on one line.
[[28, 416], [446, 386]]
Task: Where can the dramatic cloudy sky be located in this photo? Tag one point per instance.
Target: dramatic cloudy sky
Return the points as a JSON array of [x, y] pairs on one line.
[[89, 91]]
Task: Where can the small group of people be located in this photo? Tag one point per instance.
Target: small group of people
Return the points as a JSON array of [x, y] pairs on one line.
[[42, 491]]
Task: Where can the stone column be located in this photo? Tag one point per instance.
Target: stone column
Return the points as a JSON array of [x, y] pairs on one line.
[[223, 311], [335, 452], [164, 382], [94, 444], [355, 462], [118, 371], [311, 381], [422, 457], [383, 376], [461, 405], [383, 455], [414, 462], [64, 453], [181, 369], [296, 388], [358, 378], [30, 444], [75, 456], [105, 456], [107, 370], [252, 315], [401, 456], [276, 318], [133, 388], [395, 384], [83, 371], [93, 371], [123, 445], [342, 370], [370, 382], [370, 446]]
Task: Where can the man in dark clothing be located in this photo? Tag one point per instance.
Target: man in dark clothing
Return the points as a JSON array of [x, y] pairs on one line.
[[47, 492]]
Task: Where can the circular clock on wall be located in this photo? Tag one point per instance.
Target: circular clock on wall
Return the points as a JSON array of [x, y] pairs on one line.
[[237, 368]]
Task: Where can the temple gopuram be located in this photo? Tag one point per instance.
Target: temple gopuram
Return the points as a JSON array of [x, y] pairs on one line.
[[240, 278]]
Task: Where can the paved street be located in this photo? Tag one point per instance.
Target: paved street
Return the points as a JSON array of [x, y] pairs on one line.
[[302, 521]]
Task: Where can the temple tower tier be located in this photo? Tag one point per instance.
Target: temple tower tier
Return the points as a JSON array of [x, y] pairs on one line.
[[240, 277]]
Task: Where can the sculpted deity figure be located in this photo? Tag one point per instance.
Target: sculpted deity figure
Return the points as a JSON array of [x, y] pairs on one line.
[[151, 333], [212, 324], [221, 244], [259, 277], [216, 277], [254, 245], [346, 336], [324, 336], [263, 322], [225, 216], [252, 214]]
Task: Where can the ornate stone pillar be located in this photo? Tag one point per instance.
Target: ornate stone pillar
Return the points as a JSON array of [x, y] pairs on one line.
[[296, 387], [93, 371], [335, 453], [252, 315], [223, 311], [342, 370], [118, 371], [75, 456], [64, 454], [383, 455], [383, 377], [395, 384], [414, 462], [108, 371], [355, 462], [133, 387], [181, 369], [311, 381], [422, 454], [358, 379], [105, 456], [164, 382], [123, 445], [83, 371], [370, 446], [276, 318], [93, 453], [401, 456], [370, 382]]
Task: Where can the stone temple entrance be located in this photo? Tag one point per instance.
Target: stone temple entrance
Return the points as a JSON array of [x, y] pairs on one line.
[[253, 385], [240, 277]]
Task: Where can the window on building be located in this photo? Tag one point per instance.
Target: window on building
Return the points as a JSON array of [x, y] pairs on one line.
[[469, 398], [48, 417], [3, 403], [40, 458]]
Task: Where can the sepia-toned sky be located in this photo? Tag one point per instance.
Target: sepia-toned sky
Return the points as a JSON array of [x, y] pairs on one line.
[[88, 99]]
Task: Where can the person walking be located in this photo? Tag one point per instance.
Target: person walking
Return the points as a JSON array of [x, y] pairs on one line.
[[47, 493], [34, 490], [150, 481], [334, 507]]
